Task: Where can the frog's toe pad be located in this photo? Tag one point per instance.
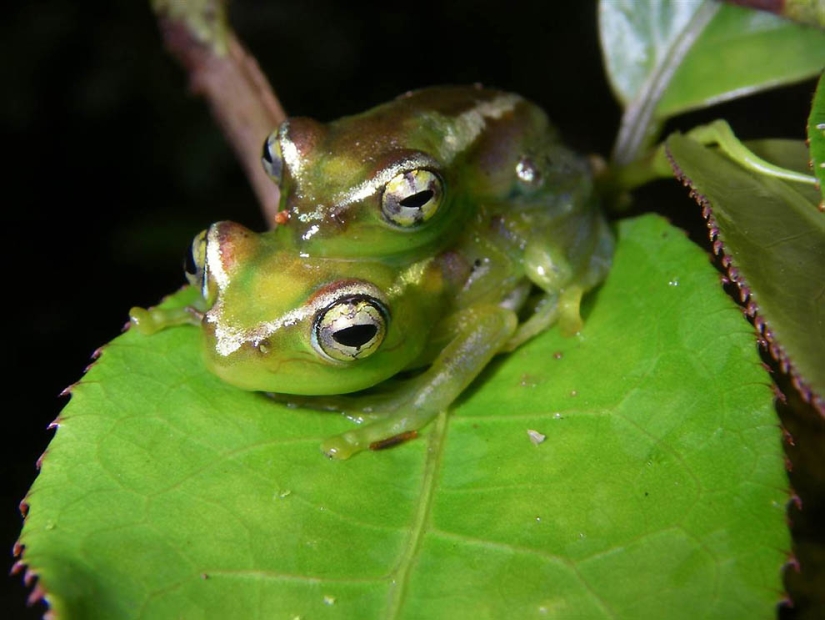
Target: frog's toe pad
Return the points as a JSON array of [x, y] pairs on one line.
[[570, 320]]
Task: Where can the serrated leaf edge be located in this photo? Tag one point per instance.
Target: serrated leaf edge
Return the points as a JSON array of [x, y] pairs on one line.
[[38, 593], [765, 335]]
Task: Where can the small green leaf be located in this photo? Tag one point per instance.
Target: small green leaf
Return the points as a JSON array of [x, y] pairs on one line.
[[816, 136], [774, 238], [664, 57], [639, 38], [741, 52], [643, 44], [658, 491]]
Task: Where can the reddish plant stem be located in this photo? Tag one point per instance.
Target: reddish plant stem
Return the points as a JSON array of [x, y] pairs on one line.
[[239, 96]]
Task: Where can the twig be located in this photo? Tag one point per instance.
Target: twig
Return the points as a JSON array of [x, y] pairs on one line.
[[222, 71]]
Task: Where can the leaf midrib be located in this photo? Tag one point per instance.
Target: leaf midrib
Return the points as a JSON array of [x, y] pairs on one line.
[[399, 576], [635, 130]]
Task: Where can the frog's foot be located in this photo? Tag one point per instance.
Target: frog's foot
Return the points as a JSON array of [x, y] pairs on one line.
[[386, 417], [570, 318], [382, 433], [149, 321]]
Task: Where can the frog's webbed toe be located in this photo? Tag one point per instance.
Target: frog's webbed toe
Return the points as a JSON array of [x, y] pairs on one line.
[[385, 417]]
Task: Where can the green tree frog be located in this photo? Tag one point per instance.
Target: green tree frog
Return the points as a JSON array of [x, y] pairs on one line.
[[415, 242]]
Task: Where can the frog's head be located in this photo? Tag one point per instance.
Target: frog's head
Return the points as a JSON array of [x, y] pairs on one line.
[[402, 178], [276, 322], [355, 191]]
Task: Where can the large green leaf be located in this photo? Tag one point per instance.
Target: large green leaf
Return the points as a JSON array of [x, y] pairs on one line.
[[774, 239], [658, 492]]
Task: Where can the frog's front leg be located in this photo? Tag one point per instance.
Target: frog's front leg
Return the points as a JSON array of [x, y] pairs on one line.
[[482, 332], [565, 271], [552, 308], [548, 268], [149, 321]]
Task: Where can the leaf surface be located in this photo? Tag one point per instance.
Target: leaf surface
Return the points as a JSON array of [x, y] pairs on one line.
[[659, 490], [741, 52], [639, 38], [738, 52]]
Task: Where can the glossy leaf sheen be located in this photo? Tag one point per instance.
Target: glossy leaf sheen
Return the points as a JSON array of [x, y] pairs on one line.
[[637, 38], [658, 492], [741, 52], [775, 238]]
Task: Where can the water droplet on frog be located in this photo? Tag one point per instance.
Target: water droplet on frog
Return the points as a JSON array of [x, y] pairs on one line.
[[527, 172]]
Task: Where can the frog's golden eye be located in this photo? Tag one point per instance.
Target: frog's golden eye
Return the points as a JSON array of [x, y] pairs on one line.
[[272, 158], [411, 198], [351, 328], [195, 262]]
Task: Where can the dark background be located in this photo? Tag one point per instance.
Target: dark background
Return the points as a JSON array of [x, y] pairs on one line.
[[112, 167]]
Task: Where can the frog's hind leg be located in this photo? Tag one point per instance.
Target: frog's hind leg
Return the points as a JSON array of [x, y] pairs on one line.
[[564, 271], [482, 333]]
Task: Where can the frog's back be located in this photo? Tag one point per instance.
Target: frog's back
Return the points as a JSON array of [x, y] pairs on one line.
[[498, 148], [453, 124]]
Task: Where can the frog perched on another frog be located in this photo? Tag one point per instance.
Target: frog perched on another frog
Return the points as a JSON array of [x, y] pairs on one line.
[[429, 233]]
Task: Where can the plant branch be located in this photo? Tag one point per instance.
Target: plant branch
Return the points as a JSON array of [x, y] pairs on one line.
[[222, 71]]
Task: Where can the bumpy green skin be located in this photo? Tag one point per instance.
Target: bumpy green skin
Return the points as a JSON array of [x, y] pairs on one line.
[[514, 215]]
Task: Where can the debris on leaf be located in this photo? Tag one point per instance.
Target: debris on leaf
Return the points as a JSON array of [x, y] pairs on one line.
[[535, 436]]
